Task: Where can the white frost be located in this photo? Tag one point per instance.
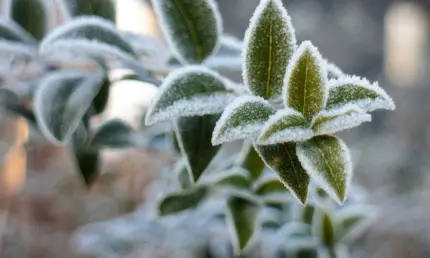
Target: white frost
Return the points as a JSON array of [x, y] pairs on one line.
[[253, 23], [382, 102], [241, 131], [168, 31], [305, 46], [344, 117], [309, 165], [293, 133], [188, 106], [334, 70]]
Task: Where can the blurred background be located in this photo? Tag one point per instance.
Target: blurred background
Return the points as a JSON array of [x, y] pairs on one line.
[[42, 201]]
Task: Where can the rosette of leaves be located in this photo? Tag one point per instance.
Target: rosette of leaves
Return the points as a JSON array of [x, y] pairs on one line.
[[295, 139]]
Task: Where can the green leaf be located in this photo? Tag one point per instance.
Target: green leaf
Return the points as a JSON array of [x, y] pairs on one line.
[[101, 100], [114, 134], [327, 230], [192, 28], [102, 8], [187, 199], [61, 100], [190, 91], [269, 185], [282, 159], [11, 31], [250, 160], [87, 161], [235, 177], [286, 125], [194, 138], [306, 81], [32, 15], [327, 160], [359, 92], [242, 214], [339, 119], [242, 119], [269, 44], [353, 222], [182, 173]]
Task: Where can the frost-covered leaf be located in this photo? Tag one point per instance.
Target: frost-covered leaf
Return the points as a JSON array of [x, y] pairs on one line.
[[323, 226], [101, 100], [333, 71], [327, 160], [241, 119], [250, 160], [61, 100], [182, 173], [306, 81], [91, 37], [230, 46], [286, 125], [242, 218], [180, 201], [102, 8], [235, 177], [339, 119], [269, 185], [359, 92], [353, 221], [282, 159], [269, 44], [192, 27], [191, 91], [31, 15], [11, 31], [194, 139], [113, 134]]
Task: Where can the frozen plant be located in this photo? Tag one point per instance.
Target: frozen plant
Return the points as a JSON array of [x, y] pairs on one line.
[[284, 114]]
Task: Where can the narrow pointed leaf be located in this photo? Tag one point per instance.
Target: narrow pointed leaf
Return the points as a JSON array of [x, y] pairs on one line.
[[242, 214], [192, 28], [194, 138], [282, 159], [113, 134], [235, 177], [101, 100], [359, 92], [191, 91], [177, 202], [242, 119], [269, 185], [61, 100], [102, 8], [306, 81], [11, 31], [181, 171], [286, 125], [339, 119], [250, 160], [327, 160], [31, 15], [269, 44]]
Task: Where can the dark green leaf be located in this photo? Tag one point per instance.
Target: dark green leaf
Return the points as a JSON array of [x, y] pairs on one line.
[[241, 119], [251, 161], [102, 8], [269, 44], [101, 100], [327, 160], [113, 134], [192, 27], [286, 125], [306, 81], [282, 159], [359, 92], [242, 214], [269, 185], [234, 177], [191, 91], [61, 101], [187, 199], [194, 137], [32, 15]]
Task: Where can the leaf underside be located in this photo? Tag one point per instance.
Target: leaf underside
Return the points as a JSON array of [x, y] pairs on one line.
[[113, 134], [181, 201], [102, 8]]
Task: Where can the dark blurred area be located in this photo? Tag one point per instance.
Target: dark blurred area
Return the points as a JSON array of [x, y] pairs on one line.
[[382, 40]]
